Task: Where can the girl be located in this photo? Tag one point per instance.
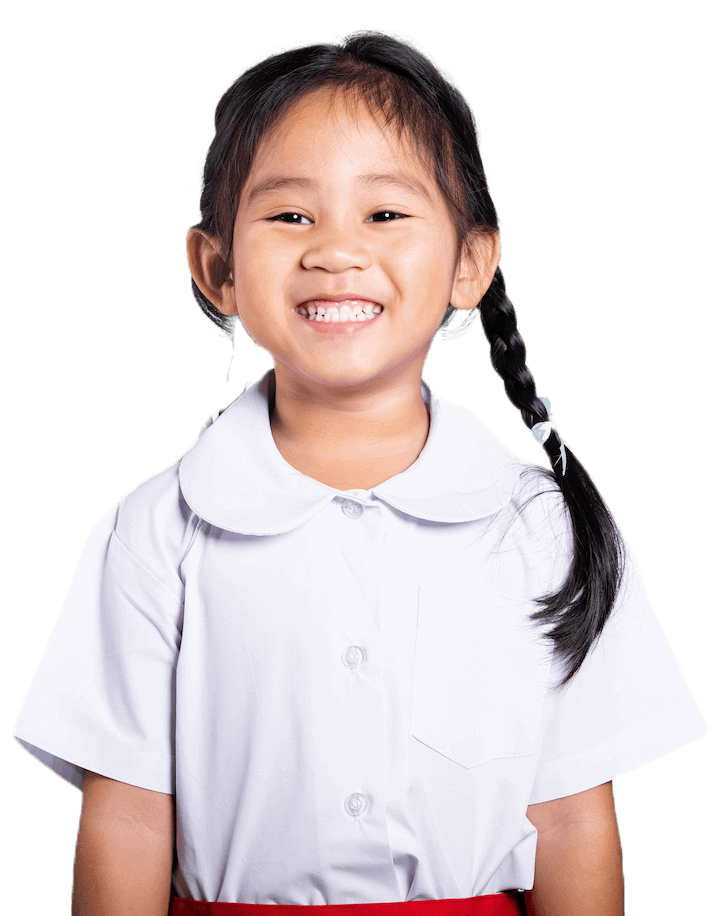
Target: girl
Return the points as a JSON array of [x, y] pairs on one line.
[[349, 650]]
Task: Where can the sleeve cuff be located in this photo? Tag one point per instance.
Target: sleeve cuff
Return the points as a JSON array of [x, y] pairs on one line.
[[70, 760], [626, 751]]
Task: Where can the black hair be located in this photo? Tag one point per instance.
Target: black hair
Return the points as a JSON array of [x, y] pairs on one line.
[[401, 86]]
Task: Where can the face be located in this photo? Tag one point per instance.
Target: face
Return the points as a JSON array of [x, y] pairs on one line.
[[340, 220]]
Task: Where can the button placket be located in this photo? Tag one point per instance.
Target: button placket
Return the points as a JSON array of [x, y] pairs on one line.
[[355, 804]]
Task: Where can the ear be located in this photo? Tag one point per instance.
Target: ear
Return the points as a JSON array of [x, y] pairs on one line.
[[476, 267], [210, 270]]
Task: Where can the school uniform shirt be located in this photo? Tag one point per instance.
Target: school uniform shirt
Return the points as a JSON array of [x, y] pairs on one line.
[[343, 689]]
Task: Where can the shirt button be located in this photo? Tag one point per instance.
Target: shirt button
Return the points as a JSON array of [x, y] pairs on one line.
[[355, 804], [352, 509], [353, 656]]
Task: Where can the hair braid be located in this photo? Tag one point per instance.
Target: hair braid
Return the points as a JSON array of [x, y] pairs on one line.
[[507, 352], [579, 609]]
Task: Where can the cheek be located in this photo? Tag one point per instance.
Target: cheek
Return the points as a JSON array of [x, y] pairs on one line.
[[428, 264], [260, 269]]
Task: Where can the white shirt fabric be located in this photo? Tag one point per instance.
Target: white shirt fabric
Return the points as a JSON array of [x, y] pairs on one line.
[[342, 688]]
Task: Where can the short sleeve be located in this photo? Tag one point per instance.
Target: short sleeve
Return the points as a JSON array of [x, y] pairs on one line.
[[102, 698], [628, 704]]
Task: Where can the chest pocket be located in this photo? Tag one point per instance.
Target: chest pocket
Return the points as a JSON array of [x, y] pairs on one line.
[[481, 671]]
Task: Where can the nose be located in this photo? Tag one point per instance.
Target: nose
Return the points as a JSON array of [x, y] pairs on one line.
[[336, 249]]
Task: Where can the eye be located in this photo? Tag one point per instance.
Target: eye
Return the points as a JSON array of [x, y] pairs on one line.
[[385, 216], [295, 219]]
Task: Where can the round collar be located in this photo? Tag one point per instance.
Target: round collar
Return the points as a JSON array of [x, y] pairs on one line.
[[236, 478]]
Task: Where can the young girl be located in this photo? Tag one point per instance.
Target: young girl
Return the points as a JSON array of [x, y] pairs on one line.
[[348, 649]]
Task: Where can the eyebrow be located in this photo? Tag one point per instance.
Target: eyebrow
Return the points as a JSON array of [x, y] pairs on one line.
[[275, 182], [389, 179], [397, 180]]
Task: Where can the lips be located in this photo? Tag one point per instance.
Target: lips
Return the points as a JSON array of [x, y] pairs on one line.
[[339, 309]]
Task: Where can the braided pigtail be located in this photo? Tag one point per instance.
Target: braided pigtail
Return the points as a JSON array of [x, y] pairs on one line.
[[578, 611]]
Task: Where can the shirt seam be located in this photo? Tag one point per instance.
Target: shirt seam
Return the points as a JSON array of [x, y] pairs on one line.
[[175, 595]]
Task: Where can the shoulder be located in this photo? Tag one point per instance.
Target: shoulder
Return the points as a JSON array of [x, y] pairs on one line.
[[155, 524], [535, 524]]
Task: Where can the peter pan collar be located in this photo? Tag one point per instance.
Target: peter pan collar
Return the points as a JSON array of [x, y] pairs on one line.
[[235, 477]]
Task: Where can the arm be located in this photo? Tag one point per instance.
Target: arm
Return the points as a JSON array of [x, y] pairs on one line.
[[125, 850], [578, 868]]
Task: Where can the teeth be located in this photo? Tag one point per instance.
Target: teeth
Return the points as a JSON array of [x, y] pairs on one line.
[[340, 314]]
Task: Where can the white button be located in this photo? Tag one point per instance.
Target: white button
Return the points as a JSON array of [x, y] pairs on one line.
[[352, 509], [353, 656], [355, 804]]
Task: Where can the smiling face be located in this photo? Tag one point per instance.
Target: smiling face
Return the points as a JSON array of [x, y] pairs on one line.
[[344, 253]]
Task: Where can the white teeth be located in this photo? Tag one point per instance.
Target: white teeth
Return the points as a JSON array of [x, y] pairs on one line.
[[340, 314]]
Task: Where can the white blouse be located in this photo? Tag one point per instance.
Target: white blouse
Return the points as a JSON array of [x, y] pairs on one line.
[[342, 688]]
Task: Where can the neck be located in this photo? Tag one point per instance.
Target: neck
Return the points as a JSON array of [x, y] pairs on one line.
[[348, 438]]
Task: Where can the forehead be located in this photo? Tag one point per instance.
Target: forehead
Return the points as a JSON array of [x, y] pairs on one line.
[[317, 125]]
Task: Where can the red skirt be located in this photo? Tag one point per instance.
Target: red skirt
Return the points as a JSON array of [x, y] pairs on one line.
[[510, 904]]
